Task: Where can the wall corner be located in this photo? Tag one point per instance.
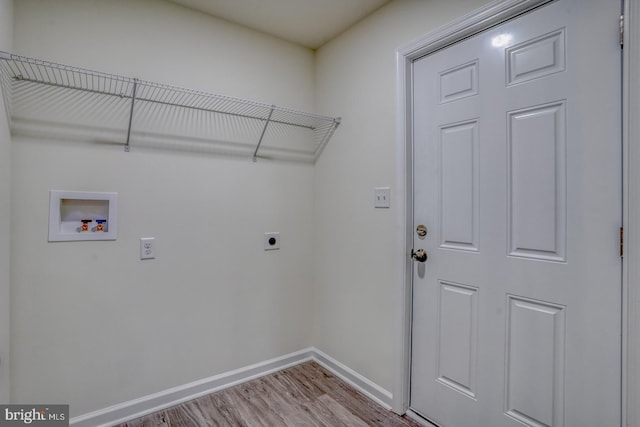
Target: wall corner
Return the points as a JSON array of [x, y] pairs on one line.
[[6, 44]]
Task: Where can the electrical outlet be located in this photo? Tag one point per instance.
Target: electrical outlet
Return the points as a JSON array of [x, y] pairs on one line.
[[382, 197], [147, 248], [271, 241]]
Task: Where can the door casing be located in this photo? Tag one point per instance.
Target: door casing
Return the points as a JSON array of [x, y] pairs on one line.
[[484, 18]]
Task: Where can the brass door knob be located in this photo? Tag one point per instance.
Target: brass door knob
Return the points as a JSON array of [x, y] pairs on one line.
[[420, 255]]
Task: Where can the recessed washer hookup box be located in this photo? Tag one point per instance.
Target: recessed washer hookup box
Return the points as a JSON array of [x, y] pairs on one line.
[[82, 215]]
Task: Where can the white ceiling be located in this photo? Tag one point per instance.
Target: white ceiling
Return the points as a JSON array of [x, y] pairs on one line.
[[309, 23]]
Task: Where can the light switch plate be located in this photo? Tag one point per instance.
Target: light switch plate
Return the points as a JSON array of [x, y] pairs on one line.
[[382, 197]]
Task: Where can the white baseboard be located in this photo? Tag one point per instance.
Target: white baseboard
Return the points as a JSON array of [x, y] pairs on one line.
[[174, 396], [357, 381]]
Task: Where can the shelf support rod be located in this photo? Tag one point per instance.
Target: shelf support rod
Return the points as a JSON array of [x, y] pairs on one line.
[[133, 101], [264, 130]]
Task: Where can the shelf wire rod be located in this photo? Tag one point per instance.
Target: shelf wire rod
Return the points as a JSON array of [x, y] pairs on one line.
[[36, 73], [155, 94], [66, 86], [174, 97], [264, 130], [6, 69], [202, 101], [124, 88], [50, 76], [133, 101], [62, 76], [21, 70], [14, 67], [121, 88], [117, 85], [73, 76], [168, 96], [90, 81], [215, 104], [39, 71], [59, 75], [20, 77], [185, 98], [152, 92], [226, 113], [328, 134], [5, 82]]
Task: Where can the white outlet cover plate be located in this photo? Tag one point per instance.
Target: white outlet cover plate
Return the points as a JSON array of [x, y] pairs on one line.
[[270, 244], [147, 247]]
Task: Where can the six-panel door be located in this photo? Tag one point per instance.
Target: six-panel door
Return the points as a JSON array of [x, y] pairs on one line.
[[517, 311]]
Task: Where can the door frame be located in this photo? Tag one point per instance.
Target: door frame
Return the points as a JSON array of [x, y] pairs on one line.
[[631, 215], [486, 17]]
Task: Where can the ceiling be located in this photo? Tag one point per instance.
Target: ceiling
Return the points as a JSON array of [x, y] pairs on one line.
[[310, 23]]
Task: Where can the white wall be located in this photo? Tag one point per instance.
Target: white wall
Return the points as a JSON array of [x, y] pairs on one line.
[[6, 40], [92, 325], [356, 275]]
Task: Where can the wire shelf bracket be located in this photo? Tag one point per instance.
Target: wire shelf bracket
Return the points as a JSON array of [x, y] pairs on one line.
[[15, 69], [264, 130], [127, 146]]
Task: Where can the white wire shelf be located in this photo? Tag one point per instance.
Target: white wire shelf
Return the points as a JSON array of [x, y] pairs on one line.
[[38, 91]]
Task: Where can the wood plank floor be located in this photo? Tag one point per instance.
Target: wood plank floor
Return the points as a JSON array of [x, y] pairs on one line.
[[304, 395]]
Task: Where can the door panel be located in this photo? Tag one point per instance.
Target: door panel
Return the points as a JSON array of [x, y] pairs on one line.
[[458, 338], [536, 342], [537, 173], [459, 186], [517, 176]]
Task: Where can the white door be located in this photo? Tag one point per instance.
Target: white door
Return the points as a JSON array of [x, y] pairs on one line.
[[517, 178]]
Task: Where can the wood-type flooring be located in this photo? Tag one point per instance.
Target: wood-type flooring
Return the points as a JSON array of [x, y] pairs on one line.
[[304, 395]]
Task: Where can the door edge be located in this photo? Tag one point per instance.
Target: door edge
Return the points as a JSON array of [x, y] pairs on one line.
[[631, 215]]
